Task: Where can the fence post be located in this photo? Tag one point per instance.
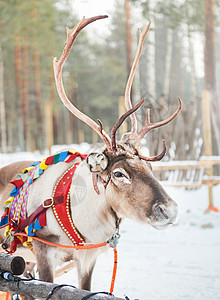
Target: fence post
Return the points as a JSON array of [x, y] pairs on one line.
[[208, 141]]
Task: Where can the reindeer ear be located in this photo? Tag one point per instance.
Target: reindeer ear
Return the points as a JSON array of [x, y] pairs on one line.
[[97, 162]]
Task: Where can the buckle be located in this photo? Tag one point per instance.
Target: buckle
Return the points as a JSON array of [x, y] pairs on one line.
[[113, 241], [45, 205]]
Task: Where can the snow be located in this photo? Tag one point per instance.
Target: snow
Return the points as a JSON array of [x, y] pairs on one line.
[[210, 158], [181, 262], [177, 163]]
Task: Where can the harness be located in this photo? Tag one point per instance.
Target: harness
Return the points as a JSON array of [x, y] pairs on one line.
[[21, 229], [15, 219]]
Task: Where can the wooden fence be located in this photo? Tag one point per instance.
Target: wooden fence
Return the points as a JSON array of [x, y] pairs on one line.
[[189, 174]]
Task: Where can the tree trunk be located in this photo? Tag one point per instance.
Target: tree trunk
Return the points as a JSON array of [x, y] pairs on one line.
[[54, 120], [18, 79], [39, 132], [209, 51], [194, 92], [25, 87], [151, 54], [39, 129], [209, 64], [161, 30], [168, 63], [2, 106]]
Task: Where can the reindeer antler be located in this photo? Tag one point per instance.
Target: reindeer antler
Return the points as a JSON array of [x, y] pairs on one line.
[[120, 121], [128, 105], [148, 125], [137, 137], [156, 157], [58, 67], [110, 143]]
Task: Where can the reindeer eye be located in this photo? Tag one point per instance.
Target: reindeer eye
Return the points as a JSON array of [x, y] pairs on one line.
[[121, 175], [118, 174]]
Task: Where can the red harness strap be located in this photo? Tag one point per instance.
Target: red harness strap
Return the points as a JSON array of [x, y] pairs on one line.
[[62, 211]]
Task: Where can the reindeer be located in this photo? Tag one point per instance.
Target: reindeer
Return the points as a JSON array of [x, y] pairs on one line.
[[119, 182]]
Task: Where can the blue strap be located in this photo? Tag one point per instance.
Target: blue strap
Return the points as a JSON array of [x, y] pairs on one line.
[[63, 155], [14, 192], [4, 221], [37, 224]]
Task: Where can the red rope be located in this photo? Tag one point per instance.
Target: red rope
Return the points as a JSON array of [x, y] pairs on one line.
[[114, 271], [85, 247]]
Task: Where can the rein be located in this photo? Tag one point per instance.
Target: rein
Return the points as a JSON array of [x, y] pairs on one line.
[[112, 242]]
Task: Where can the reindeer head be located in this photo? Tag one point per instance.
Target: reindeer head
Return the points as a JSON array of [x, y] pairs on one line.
[[130, 187]]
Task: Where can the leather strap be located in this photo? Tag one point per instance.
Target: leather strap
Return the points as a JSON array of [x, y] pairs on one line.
[[41, 209], [62, 211]]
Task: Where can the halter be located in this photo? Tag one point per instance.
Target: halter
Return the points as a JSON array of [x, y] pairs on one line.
[[105, 183]]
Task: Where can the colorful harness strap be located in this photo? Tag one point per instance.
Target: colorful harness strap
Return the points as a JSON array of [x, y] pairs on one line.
[[14, 218], [62, 211]]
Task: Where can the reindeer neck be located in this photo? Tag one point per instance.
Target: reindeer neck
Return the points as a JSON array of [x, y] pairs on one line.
[[92, 215]]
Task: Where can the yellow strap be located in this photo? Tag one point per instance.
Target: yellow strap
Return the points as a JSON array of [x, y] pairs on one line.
[[72, 151], [26, 170], [7, 229], [9, 200], [43, 166]]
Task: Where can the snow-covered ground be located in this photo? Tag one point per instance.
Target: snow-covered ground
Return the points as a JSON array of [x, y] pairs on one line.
[[182, 262]]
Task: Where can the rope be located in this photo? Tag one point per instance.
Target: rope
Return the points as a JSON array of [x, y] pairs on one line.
[[57, 288], [84, 247], [114, 270], [93, 294]]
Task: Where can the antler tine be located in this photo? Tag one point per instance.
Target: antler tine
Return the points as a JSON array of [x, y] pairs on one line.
[[104, 137], [156, 157], [128, 105], [120, 121], [58, 67], [148, 125]]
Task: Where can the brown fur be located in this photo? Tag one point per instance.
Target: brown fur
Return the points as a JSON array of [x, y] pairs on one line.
[[137, 199], [7, 173], [85, 279], [44, 269]]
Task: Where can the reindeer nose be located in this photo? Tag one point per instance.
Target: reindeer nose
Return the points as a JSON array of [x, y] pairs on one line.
[[164, 214], [160, 212]]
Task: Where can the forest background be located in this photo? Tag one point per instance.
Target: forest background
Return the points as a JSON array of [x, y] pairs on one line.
[[180, 58]]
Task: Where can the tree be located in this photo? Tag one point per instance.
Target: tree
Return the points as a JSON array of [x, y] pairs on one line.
[[33, 30], [2, 105], [210, 68]]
